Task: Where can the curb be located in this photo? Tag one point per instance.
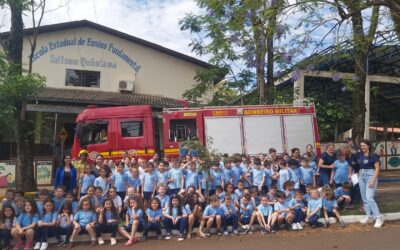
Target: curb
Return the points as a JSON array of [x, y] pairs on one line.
[[357, 218], [348, 219]]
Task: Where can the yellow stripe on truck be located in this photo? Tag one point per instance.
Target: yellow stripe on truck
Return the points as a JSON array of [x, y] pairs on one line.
[[171, 150]]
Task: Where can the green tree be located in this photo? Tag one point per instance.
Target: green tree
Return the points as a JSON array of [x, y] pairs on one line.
[[239, 37], [363, 31], [17, 89]]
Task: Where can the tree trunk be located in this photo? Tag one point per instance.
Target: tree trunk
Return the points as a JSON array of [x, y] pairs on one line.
[[15, 41], [24, 138], [360, 52], [23, 132]]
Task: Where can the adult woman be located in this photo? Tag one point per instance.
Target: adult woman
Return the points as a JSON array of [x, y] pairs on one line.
[[296, 155], [66, 175], [368, 181], [325, 164]]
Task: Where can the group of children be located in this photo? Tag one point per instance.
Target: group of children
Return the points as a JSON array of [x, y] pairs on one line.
[[181, 195]]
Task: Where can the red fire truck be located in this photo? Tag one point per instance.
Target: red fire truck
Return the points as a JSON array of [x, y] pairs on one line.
[[233, 129]]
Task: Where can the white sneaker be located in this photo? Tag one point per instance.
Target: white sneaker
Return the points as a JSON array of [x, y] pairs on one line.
[[366, 220], [379, 222], [100, 240], [44, 246], [37, 246], [299, 227], [294, 226], [113, 241]]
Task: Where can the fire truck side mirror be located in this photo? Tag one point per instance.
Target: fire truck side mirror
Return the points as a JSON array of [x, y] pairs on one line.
[[79, 130]]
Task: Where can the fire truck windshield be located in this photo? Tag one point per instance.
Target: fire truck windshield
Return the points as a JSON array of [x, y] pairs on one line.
[[92, 133]]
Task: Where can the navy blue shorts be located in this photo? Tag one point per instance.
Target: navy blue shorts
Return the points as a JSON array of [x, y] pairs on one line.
[[245, 220], [147, 195], [128, 227]]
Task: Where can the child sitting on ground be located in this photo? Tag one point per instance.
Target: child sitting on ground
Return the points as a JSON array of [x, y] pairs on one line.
[[330, 206]]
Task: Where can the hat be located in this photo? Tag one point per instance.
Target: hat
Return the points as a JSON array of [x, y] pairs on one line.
[[347, 139], [83, 151]]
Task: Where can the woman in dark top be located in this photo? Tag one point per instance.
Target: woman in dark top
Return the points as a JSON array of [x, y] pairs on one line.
[[66, 175], [368, 181], [325, 165]]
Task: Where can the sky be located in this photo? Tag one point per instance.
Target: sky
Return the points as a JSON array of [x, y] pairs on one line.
[[156, 21]]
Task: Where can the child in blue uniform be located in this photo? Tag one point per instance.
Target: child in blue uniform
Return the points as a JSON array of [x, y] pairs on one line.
[[134, 221], [149, 184], [25, 226], [86, 180], [314, 210], [265, 217], [283, 212], [102, 181], [84, 221], [331, 208], [46, 224], [175, 217], [247, 215], [342, 195], [120, 181], [298, 207], [229, 215], [175, 179], [258, 175], [341, 172], [154, 216], [7, 223], [211, 216], [64, 222], [107, 222]]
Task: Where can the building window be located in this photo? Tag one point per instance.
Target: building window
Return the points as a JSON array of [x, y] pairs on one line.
[[82, 78], [132, 129]]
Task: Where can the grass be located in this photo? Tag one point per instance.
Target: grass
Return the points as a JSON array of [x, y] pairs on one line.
[[391, 207]]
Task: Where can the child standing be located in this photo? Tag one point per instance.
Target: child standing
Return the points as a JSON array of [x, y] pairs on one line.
[[162, 175], [84, 221], [107, 222], [175, 217], [120, 181], [341, 172], [284, 175], [46, 225], [258, 175], [192, 178], [216, 177], [314, 210], [306, 175], [102, 181], [7, 222], [134, 181], [149, 184], [154, 215], [25, 226], [175, 179], [87, 179]]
